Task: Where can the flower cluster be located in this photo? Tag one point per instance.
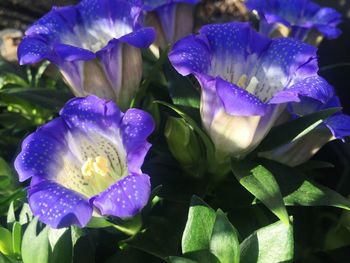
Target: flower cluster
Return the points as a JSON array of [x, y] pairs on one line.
[[88, 160]]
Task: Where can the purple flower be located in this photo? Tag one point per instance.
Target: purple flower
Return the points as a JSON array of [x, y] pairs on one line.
[[173, 19], [87, 158], [246, 80], [96, 45], [300, 16], [303, 148]]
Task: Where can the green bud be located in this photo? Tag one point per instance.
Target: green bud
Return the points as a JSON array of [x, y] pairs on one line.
[[183, 144]]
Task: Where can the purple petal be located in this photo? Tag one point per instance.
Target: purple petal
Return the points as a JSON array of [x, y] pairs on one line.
[[298, 14], [339, 125], [110, 10], [126, 197], [313, 87], [71, 53], [326, 20], [284, 63], [141, 38], [235, 47], [234, 39], [238, 101], [329, 32], [136, 126], [58, 206], [150, 5], [91, 112], [41, 150], [58, 21], [190, 55], [137, 156], [32, 50]]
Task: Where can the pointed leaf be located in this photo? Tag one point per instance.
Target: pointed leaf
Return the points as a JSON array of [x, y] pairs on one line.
[[5, 241], [25, 215], [180, 260], [61, 245], [298, 190], [182, 90], [17, 238], [35, 247], [270, 244], [224, 242], [203, 256], [261, 183], [199, 226]]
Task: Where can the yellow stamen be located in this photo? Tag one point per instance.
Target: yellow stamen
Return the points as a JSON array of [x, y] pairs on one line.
[[252, 85], [87, 168], [242, 81], [99, 166]]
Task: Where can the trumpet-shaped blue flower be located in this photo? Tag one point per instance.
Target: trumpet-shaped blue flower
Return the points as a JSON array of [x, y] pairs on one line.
[[173, 19], [246, 79], [300, 16], [96, 45], [303, 148], [88, 158]]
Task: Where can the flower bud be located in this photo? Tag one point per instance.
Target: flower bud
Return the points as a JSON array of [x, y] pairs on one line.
[[183, 144], [171, 20]]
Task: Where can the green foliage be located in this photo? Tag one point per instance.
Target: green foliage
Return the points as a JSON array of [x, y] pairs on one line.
[[209, 236], [204, 208], [261, 183], [270, 244]]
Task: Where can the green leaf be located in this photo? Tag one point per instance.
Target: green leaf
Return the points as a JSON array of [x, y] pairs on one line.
[[35, 247], [224, 242], [198, 230], [5, 169], [127, 226], [5, 241], [99, 222], [61, 245], [261, 183], [40, 72], [11, 217], [5, 259], [46, 98], [298, 190], [182, 90], [270, 244], [16, 238], [84, 245], [339, 234], [180, 260], [294, 129], [25, 216], [76, 234], [13, 79], [203, 256]]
